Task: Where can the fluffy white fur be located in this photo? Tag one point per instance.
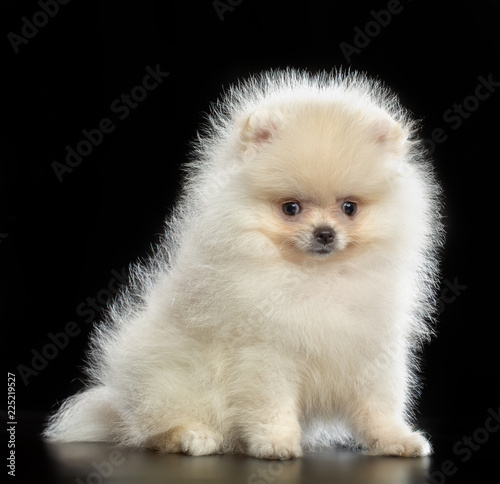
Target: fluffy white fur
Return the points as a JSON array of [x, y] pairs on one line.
[[239, 335]]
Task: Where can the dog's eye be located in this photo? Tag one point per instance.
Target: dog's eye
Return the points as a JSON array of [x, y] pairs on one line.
[[350, 208], [291, 208]]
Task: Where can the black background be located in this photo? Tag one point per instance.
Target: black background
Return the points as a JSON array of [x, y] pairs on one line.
[[61, 240]]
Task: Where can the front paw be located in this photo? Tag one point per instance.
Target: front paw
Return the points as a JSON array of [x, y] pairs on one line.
[[275, 447], [412, 444], [194, 439]]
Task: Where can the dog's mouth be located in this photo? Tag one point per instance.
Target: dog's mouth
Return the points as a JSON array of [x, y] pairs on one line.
[[321, 251]]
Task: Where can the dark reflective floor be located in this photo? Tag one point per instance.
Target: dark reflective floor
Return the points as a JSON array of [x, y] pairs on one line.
[[87, 461], [92, 463]]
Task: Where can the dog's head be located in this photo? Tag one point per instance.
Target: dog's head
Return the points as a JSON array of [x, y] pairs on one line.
[[324, 176]]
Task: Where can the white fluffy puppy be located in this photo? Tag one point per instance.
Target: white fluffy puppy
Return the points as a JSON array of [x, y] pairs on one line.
[[292, 290]]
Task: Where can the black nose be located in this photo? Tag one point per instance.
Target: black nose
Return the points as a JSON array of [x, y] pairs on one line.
[[324, 235]]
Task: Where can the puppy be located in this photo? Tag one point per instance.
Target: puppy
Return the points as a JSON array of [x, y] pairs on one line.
[[286, 304]]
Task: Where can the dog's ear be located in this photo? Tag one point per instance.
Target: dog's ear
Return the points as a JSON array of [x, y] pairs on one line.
[[257, 129], [390, 135]]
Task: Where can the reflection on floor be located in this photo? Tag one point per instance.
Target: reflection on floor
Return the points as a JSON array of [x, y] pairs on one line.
[[95, 463]]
